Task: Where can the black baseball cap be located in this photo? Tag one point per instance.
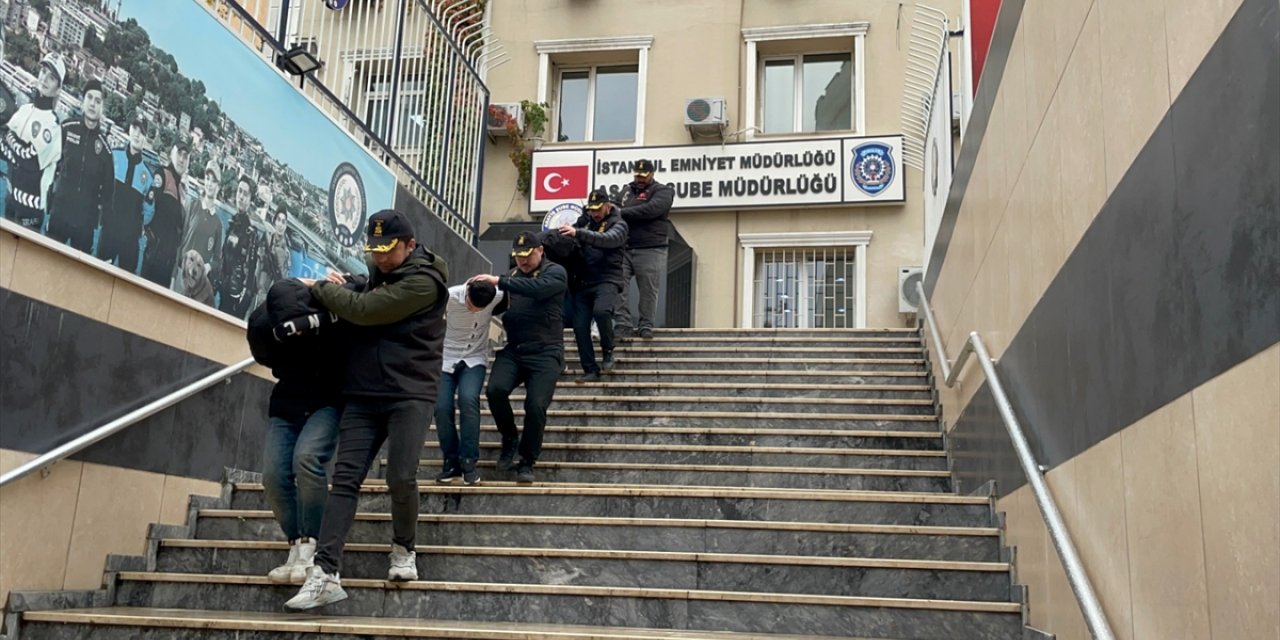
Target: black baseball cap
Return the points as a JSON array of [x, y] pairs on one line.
[[525, 243], [644, 168], [597, 199], [386, 229]]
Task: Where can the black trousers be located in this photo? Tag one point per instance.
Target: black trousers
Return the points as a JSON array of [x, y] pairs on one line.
[[366, 424], [594, 302], [537, 369]]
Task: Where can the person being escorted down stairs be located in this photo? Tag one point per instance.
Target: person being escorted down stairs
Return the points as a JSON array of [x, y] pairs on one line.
[[305, 348], [602, 236], [534, 355], [466, 358], [392, 378]]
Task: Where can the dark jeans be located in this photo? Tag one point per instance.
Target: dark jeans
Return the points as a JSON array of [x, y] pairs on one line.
[[460, 448], [119, 241], [294, 456], [649, 266], [594, 302], [538, 369], [366, 423]]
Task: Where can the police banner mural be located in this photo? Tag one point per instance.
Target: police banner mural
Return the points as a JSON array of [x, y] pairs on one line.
[[824, 171], [149, 136]]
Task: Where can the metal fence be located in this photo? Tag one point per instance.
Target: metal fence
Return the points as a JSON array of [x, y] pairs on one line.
[[404, 76]]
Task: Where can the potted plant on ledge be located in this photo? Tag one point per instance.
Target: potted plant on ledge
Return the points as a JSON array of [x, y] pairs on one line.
[[526, 137]]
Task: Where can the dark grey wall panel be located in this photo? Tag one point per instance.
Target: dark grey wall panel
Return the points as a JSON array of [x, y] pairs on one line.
[[463, 259], [984, 101], [63, 374], [1176, 280]]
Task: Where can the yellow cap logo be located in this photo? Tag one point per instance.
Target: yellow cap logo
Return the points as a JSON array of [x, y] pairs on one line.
[[377, 228], [520, 241]]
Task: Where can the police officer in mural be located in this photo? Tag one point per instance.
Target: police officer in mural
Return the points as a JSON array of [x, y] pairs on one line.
[[83, 185], [645, 205], [238, 265], [10, 100], [164, 232], [602, 235], [202, 241], [534, 355], [33, 147], [122, 226]]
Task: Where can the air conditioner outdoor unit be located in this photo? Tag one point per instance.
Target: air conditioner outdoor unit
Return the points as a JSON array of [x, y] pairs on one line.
[[908, 294], [502, 112], [705, 116]]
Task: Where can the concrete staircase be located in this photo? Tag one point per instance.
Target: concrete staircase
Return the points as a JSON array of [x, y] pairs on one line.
[[716, 484]]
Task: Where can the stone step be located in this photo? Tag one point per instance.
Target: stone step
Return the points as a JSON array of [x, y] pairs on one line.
[[763, 376], [749, 436], [814, 575], [824, 334], [772, 420], [974, 544], [757, 362], [816, 388], [128, 623], [628, 351], [805, 478], [826, 458], [775, 342], [671, 501], [571, 604], [683, 404]]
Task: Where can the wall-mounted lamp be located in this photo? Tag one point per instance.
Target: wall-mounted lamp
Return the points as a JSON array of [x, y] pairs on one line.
[[298, 61]]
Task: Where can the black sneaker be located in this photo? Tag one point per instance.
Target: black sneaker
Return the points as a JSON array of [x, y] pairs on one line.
[[608, 362], [524, 474], [471, 477], [624, 333], [590, 376], [449, 474], [507, 458], [646, 334]]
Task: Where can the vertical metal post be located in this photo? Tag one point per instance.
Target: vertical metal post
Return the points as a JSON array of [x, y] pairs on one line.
[[479, 169], [283, 29], [394, 105], [448, 124]]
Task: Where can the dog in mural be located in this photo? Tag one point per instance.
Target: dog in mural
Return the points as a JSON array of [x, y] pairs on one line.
[[195, 279]]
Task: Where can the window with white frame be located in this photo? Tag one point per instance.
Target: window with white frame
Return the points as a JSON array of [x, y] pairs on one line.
[[804, 280], [409, 127], [595, 88], [805, 79]]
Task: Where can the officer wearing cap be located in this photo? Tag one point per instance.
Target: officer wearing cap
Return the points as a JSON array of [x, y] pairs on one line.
[[85, 179], [602, 236], [645, 205], [393, 374], [33, 147], [534, 354]]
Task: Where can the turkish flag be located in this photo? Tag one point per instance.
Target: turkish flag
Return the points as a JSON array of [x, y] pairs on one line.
[[560, 183]]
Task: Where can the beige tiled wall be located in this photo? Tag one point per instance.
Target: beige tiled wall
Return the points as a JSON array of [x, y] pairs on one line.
[[1174, 518], [56, 531], [1086, 83]]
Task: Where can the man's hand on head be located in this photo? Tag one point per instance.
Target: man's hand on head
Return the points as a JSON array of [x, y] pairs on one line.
[[484, 277], [335, 277], [568, 230]]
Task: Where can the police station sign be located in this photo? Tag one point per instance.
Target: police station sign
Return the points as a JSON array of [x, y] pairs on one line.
[[733, 176]]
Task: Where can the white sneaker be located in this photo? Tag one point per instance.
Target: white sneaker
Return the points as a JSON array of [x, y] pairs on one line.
[[306, 560], [319, 590], [404, 564], [283, 574]]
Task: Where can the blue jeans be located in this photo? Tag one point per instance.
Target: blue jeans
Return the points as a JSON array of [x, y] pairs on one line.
[[460, 450], [293, 470]]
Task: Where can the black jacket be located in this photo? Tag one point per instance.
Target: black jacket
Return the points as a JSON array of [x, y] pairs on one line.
[[566, 252], [235, 275], [645, 210], [602, 246], [305, 349], [534, 306], [165, 231], [397, 342], [85, 182]]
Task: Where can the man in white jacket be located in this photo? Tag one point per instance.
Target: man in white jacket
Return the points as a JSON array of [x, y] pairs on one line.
[[466, 357]]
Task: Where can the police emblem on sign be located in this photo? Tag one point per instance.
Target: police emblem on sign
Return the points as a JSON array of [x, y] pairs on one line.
[[872, 168], [347, 204], [562, 214]]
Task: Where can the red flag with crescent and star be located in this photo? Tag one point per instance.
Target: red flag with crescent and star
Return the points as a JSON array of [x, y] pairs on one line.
[[560, 183]]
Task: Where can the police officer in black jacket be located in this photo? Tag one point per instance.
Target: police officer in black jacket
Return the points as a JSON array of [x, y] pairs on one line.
[[602, 236], [645, 205], [85, 180], [534, 355]]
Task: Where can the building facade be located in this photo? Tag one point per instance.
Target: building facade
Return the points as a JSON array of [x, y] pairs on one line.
[[792, 197]]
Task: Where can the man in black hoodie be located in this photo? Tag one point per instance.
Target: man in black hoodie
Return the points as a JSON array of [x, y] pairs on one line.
[[645, 205], [393, 375], [306, 351], [602, 235], [85, 180], [534, 355]]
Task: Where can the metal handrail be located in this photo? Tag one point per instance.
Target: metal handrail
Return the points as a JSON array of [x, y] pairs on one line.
[[1090, 607], [44, 461]]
